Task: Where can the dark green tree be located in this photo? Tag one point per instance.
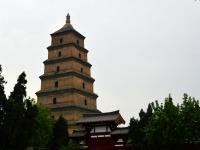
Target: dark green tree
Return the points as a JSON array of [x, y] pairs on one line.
[[2, 108], [164, 126], [43, 128], [136, 129], [19, 117], [2, 91], [19, 92], [172, 126], [2, 97], [60, 134], [71, 146], [190, 119]]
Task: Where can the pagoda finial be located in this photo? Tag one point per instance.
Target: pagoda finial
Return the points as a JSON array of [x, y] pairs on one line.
[[68, 18]]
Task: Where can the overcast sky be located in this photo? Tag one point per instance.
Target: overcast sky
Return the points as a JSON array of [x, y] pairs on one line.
[[141, 50]]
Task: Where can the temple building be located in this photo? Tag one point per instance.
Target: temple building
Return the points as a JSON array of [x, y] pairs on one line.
[[100, 131], [67, 85], [67, 90]]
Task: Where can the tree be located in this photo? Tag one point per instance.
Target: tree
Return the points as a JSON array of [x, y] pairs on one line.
[[19, 92], [173, 125], [134, 133], [136, 129], [2, 91], [71, 146], [19, 117], [43, 128], [2, 107], [190, 118], [2, 98], [163, 127], [60, 134]]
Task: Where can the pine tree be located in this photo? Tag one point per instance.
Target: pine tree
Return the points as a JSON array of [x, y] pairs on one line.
[[60, 134], [136, 130], [19, 92], [2, 97], [2, 92], [3, 101], [17, 116], [17, 122]]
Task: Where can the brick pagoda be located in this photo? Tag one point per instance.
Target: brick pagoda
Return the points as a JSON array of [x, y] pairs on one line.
[[67, 85]]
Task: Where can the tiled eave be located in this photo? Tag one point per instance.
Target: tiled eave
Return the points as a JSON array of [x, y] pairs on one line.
[[66, 73], [64, 90], [103, 117], [60, 32], [62, 59], [55, 47], [63, 106]]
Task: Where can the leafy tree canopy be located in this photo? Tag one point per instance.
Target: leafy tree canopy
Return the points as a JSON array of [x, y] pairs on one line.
[[166, 124], [60, 134], [43, 128]]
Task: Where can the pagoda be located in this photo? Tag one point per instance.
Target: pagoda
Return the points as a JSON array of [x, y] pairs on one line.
[[67, 85]]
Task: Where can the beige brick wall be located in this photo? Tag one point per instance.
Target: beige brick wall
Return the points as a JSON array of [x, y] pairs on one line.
[[62, 82], [71, 115], [77, 82], [66, 52], [61, 98], [68, 38], [71, 81], [69, 98], [67, 65]]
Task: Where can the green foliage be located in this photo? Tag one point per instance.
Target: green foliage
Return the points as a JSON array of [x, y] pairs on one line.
[[18, 117], [2, 97], [167, 124], [60, 134], [43, 128], [190, 118], [71, 146], [163, 127], [23, 123], [19, 92], [136, 129], [2, 107], [2, 91]]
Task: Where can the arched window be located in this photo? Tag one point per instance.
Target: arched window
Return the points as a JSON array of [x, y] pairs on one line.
[[77, 42], [54, 101], [59, 54], [83, 85], [85, 102], [81, 69], [57, 68], [56, 84], [61, 40], [79, 55]]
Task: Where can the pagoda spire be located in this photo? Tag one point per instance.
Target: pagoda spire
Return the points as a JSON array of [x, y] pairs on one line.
[[68, 18]]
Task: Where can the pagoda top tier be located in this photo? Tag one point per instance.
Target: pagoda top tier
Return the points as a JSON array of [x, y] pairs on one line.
[[67, 28]]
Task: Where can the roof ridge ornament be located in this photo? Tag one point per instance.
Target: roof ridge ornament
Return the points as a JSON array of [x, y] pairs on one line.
[[68, 18]]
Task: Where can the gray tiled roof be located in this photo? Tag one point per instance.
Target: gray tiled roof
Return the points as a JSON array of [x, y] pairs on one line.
[[61, 59], [67, 73], [78, 134], [71, 105], [120, 131], [66, 89], [66, 28], [100, 117]]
